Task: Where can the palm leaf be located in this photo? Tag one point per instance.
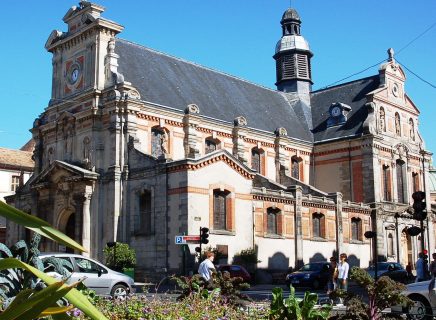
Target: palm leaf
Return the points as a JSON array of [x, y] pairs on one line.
[[37, 225], [73, 296]]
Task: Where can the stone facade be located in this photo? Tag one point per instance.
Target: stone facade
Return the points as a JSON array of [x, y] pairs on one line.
[[113, 164]]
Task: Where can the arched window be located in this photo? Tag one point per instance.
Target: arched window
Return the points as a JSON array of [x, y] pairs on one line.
[[397, 124], [220, 209], [257, 160], [318, 225], [415, 180], [295, 167], [159, 142], [401, 181], [272, 220], [390, 245], [386, 172], [144, 225], [356, 229], [411, 129], [211, 145], [382, 120]]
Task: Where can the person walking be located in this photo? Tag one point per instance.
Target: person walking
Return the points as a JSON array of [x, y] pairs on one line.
[[420, 269], [432, 270], [207, 268], [333, 275], [343, 268]]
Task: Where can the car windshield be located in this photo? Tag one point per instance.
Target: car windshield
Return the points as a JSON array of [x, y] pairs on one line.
[[311, 267]]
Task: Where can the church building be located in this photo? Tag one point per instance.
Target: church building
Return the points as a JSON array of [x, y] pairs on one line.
[[138, 146]]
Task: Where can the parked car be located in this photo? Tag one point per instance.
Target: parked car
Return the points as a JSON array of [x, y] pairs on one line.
[[425, 301], [98, 277], [393, 270], [314, 274], [235, 271]]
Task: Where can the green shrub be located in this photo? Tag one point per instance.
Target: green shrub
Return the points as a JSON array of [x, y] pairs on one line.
[[120, 257]]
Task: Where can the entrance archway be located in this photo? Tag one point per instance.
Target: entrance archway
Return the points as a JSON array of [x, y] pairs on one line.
[[70, 230]]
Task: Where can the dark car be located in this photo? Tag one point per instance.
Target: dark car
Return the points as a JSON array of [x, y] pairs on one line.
[[235, 271], [314, 274], [393, 270]]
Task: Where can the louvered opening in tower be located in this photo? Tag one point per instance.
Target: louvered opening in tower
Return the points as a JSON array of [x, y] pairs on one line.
[[303, 69], [288, 67]]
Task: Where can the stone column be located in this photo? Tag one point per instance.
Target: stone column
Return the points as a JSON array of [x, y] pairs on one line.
[[298, 209], [86, 224], [190, 123], [337, 197], [239, 132]]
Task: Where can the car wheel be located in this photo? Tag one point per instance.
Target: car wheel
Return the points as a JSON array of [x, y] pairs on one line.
[[119, 291], [421, 310], [316, 285]]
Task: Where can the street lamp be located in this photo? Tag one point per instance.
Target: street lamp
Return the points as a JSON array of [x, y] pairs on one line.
[[373, 235]]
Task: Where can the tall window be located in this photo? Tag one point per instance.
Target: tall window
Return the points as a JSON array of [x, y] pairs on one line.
[[382, 120], [211, 145], [159, 142], [257, 160], [272, 218], [400, 181], [295, 167], [386, 183], [390, 245], [145, 214], [356, 228], [397, 124], [15, 183], [220, 209], [318, 225], [415, 179]]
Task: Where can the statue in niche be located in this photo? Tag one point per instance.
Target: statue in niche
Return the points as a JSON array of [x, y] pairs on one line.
[[412, 130], [164, 142], [87, 152], [382, 120], [397, 124]]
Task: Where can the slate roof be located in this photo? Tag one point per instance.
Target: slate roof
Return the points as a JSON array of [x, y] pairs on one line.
[[16, 159], [175, 83], [351, 93]]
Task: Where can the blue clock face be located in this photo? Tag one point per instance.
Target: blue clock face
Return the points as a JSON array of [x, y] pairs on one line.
[[74, 73], [336, 111]]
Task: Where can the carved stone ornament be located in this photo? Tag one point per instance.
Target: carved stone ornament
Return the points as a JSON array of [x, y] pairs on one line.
[[192, 109], [281, 132], [240, 121], [402, 150], [133, 94], [113, 95], [369, 124]]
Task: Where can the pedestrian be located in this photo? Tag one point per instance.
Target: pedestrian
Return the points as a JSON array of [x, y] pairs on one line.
[[343, 268], [432, 270], [420, 269], [206, 268], [409, 271], [333, 275]]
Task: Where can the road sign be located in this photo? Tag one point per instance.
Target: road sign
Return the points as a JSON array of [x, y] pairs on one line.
[[186, 239]]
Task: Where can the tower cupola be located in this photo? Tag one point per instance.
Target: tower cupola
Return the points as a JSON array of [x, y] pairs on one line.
[[292, 55]]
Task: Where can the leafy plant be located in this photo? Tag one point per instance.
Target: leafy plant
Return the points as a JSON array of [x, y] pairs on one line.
[[230, 288], [41, 303], [120, 257], [382, 294], [297, 309], [246, 257], [189, 285]]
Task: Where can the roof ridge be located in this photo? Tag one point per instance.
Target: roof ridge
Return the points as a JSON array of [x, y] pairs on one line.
[[198, 65], [344, 84], [17, 150]]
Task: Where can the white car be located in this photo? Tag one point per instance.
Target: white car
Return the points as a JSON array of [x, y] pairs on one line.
[[98, 277], [425, 301]]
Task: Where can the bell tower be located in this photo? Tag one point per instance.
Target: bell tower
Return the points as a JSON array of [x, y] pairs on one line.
[[292, 55]]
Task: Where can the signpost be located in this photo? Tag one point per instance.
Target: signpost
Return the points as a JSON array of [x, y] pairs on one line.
[[187, 239]]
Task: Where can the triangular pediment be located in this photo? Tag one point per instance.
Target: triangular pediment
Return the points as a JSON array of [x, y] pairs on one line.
[[63, 171]]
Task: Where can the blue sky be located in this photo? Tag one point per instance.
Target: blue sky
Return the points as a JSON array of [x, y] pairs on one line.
[[237, 37]]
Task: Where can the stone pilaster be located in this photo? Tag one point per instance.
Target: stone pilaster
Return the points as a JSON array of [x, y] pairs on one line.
[[337, 197], [190, 123], [282, 161], [298, 209], [239, 132]]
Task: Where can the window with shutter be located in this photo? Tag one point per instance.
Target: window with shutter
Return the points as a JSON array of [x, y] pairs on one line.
[[145, 214], [386, 183], [220, 209], [15, 183], [295, 168], [415, 179], [272, 219], [356, 228], [400, 181], [317, 225]]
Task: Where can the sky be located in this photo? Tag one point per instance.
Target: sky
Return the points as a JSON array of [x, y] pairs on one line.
[[236, 37]]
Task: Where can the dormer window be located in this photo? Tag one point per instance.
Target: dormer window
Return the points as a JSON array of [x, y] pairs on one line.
[[338, 114]]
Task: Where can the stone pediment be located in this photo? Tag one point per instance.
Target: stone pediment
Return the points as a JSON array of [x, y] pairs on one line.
[[60, 171]]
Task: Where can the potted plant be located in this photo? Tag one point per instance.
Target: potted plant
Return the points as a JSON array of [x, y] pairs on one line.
[[120, 257]]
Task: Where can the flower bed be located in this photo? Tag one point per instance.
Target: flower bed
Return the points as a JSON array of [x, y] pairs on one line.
[[192, 308]]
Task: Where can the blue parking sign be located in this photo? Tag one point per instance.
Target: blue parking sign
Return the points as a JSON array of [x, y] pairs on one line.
[[179, 240]]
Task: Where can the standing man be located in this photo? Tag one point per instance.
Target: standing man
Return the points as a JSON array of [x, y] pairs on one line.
[[343, 268], [206, 268], [420, 268]]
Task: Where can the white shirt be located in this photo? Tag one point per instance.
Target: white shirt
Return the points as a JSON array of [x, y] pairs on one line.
[[343, 268], [205, 269]]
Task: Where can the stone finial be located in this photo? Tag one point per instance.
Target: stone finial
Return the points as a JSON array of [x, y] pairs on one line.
[[240, 121], [111, 46], [192, 109], [281, 132], [391, 54]]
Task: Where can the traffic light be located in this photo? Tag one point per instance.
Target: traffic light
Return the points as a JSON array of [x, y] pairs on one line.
[[419, 206], [425, 256], [204, 235], [198, 249]]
